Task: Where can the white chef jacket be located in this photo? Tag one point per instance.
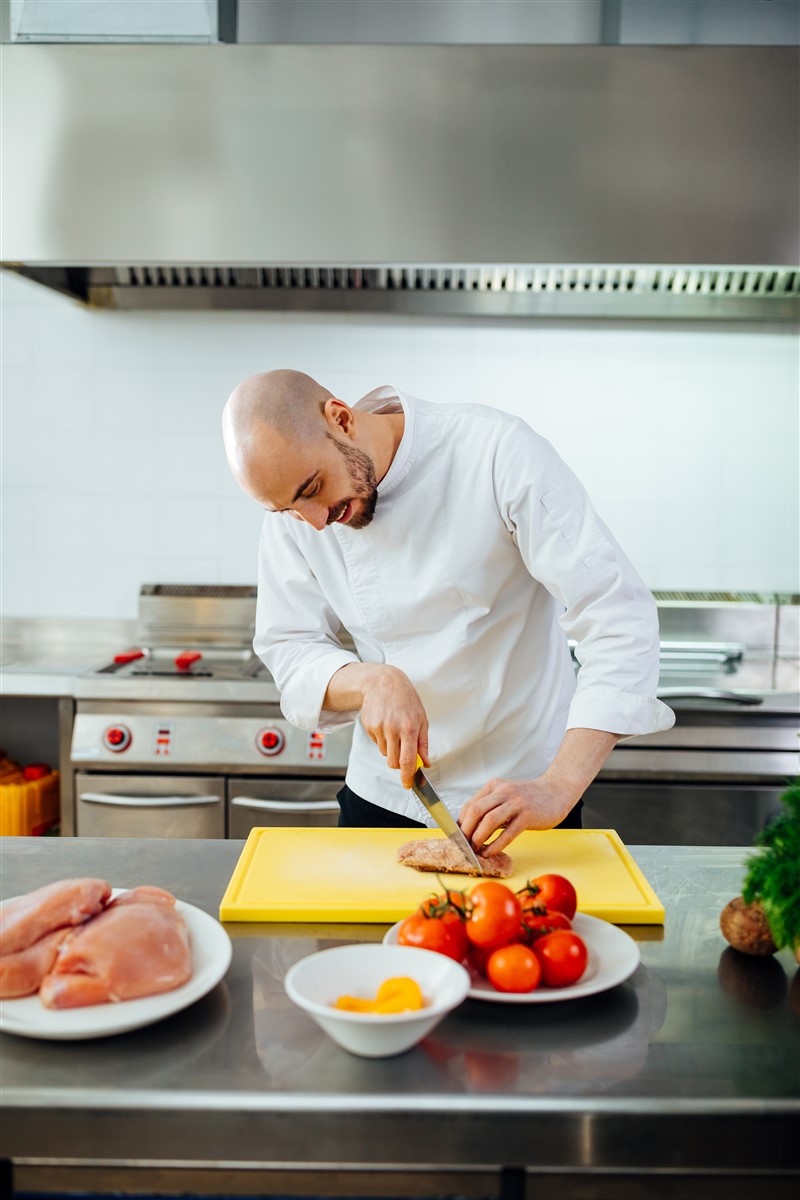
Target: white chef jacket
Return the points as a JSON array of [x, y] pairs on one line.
[[484, 555]]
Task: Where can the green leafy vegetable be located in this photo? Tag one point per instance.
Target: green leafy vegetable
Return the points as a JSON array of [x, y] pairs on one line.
[[773, 873]]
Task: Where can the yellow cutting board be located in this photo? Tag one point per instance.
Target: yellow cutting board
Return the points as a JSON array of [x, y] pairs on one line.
[[353, 875]]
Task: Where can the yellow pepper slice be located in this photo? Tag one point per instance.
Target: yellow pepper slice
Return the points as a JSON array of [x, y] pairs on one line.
[[396, 995], [354, 1004]]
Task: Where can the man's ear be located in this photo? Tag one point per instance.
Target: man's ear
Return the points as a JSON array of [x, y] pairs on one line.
[[339, 417]]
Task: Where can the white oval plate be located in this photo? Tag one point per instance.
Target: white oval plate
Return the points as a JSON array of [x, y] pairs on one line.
[[211, 956], [613, 957]]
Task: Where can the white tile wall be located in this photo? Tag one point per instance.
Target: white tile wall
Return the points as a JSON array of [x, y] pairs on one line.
[[113, 471]]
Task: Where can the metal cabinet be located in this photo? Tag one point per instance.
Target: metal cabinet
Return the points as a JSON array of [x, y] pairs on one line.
[[681, 814], [149, 806]]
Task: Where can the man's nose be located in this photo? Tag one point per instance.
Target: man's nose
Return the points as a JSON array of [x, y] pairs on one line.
[[312, 512]]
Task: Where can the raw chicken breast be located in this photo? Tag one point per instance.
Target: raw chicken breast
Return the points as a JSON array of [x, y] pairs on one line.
[[23, 971], [130, 950], [439, 854], [69, 902]]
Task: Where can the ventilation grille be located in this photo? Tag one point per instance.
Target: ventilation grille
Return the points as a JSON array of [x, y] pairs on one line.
[[219, 591], [194, 591], [725, 598], [742, 282]]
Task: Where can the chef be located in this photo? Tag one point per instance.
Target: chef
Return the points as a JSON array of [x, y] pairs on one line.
[[460, 553]]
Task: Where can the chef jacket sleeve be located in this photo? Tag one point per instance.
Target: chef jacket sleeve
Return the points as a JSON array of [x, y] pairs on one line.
[[296, 631], [608, 610]]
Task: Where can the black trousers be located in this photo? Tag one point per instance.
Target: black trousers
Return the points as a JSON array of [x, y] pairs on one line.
[[355, 813]]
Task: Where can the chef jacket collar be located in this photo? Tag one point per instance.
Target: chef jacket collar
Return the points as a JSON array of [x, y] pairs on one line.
[[388, 399]]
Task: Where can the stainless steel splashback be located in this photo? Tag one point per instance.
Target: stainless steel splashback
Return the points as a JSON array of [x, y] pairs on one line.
[[196, 614], [764, 623], [402, 169]]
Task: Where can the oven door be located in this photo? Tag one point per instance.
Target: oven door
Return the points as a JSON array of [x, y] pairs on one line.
[[150, 806], [255, 803]]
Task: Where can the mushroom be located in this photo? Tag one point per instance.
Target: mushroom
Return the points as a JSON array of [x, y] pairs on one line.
[[745, 927]]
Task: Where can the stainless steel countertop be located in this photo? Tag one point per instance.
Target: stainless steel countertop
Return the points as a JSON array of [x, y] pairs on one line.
[[693, 1064]]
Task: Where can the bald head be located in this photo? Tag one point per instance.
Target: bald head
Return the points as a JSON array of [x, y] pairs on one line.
[[287, 403], [295, 448], [278, 428]]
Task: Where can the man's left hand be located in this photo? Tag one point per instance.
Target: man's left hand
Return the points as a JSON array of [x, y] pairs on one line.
[[516, 805], [513, 806]]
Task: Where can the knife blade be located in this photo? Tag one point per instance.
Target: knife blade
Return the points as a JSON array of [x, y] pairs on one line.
[[426, 792]]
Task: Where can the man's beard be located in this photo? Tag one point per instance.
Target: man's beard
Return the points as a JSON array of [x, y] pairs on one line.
[[361, 470]]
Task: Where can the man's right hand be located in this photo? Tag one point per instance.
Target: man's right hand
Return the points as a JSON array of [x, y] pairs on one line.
[[391, 712]]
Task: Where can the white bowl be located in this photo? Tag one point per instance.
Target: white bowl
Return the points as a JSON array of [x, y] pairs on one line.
[[316, 982]]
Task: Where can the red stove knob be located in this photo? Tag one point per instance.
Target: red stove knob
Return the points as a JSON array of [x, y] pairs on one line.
[[128, 656], [270, 741], [184, 660], [117, 738]]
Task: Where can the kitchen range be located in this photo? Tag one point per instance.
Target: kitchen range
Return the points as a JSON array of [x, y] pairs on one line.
[[181, 734]]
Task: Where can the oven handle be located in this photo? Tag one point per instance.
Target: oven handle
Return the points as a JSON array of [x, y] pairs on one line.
[[286, 806], [688, 693], [147, 801]]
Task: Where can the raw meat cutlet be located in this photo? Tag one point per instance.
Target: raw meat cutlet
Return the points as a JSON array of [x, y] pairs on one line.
[[439, 854], [56, 905]]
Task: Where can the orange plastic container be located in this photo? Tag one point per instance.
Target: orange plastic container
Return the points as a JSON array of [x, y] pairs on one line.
[[8, 769], [29, 800]]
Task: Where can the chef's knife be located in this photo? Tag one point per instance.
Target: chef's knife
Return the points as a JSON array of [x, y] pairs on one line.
[[442, 816]]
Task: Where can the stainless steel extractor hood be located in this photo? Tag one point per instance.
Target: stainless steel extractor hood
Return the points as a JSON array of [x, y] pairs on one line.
[[571, 180]]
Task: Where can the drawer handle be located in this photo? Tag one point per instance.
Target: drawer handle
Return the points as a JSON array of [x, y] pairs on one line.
[[688, 693], [286, 806], [147, 801]]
